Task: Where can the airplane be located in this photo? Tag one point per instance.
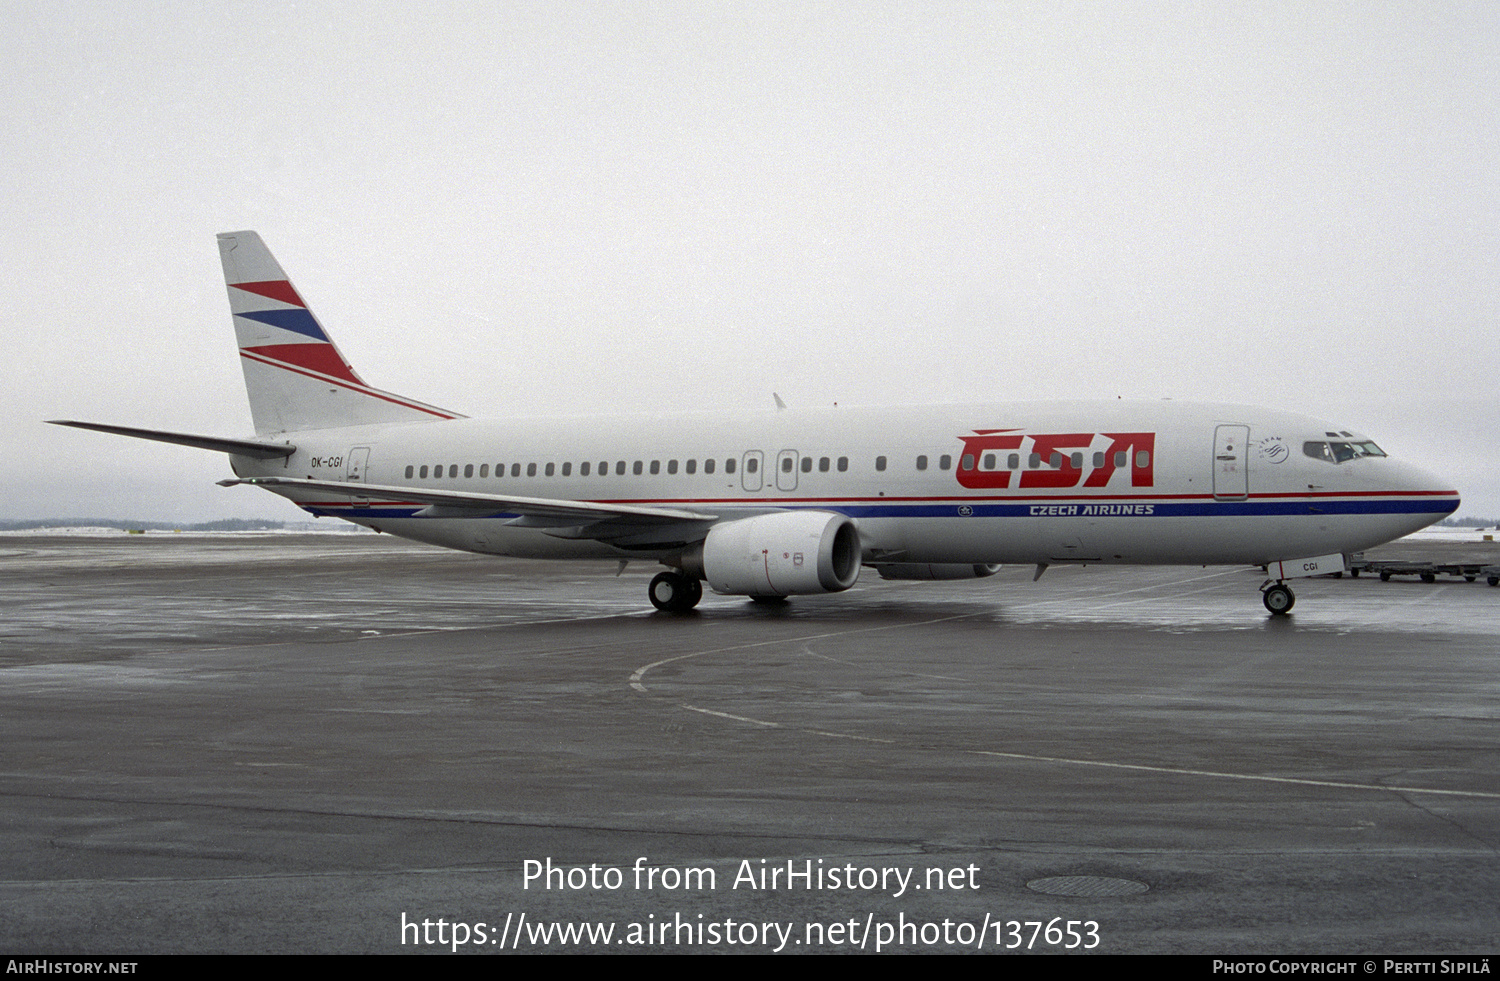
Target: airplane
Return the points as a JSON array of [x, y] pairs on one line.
[[786, 502]]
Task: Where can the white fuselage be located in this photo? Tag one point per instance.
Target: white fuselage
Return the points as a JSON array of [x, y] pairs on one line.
[[1109, 482]]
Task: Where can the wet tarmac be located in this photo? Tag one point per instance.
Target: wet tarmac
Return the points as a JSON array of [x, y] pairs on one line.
[[300, 743]]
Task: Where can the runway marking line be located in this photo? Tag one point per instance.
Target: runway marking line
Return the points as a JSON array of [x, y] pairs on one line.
[[637, 682]]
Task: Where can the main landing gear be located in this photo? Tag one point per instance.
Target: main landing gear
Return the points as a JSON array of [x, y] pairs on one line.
[[673, 592], [1278, 598]]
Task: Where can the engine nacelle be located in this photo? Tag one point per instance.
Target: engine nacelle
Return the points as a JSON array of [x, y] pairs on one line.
[[783, 554], [929, 570]]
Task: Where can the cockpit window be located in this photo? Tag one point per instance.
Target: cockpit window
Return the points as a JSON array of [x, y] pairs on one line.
[[1339, 451], [1318, 451]]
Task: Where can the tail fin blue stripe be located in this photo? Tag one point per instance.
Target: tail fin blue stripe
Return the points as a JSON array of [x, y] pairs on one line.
[[296, 320]]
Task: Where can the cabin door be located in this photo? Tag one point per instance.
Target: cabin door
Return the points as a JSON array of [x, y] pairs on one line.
[[358, 457], [786, 470], [750, 476], [1231, 458]]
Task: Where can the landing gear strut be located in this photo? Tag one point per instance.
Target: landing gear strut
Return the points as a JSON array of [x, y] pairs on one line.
[[1278, 599], [673, 592]]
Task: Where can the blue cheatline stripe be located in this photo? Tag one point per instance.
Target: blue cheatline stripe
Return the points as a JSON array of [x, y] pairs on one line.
[[297, 321], [1150, 509], [1114, 509]]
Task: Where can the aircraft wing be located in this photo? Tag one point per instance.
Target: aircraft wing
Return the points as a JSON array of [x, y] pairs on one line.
[[242, 447], [535, 512]]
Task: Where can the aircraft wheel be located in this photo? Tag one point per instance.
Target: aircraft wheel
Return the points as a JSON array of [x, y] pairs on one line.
[[1385, 577], [672, 592], [1428, 577], [1279, 599], [768, 600], [1493, 580]]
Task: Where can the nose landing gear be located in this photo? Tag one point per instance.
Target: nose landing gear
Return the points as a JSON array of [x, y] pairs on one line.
[[1278, 598]]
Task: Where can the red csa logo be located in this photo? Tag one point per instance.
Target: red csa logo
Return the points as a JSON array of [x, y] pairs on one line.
[[1118, 450]]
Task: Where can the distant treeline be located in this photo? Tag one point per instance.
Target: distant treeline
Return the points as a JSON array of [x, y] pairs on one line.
[[223, 524], [1469, 522]]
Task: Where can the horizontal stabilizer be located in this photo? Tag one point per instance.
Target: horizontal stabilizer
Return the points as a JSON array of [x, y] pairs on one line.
[[239, 447], [479, 505]]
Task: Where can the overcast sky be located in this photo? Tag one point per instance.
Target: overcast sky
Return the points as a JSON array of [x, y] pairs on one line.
[[585, 207]]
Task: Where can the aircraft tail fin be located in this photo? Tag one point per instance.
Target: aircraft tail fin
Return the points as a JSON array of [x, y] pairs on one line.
[[294, 374]]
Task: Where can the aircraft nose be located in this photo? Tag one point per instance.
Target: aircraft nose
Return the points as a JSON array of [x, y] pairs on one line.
[[1430, 487]]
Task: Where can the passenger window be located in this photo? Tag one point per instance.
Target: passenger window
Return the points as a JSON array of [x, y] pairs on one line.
[[515, 470], [966, 462], [408, 473], [728, 466], [655, 467], [843, 464], [1033, 461], [751, 465], [1143, 459], [620, 469], [567, 469], [531, 469], [786, 464], [604, 468], [708, 465], [468, 470], [636, 469], [423, 473], [823, 463], [550, 469], [1013, 462], [583, 469], [945, 462], [921, 463], [1120, 459], [1076, 461], [1055, 461], [989, 461], [671, 466], [1098, 460], [484, 470], [692, 466], [807, 464], [880, 463]]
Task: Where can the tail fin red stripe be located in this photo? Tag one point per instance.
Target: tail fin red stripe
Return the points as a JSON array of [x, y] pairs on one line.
[[275, 289], [321, 358]]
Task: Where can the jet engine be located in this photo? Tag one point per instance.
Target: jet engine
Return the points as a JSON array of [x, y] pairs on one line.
[[787, 553], [929, 570]]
